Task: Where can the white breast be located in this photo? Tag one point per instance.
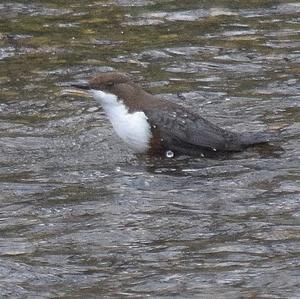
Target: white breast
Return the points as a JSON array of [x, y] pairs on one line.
[[132, 128]]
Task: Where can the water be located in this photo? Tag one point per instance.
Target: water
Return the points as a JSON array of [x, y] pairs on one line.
[[83, 216]]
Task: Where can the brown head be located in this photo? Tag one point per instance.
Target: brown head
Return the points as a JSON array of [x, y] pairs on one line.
[[120, 85], [104, 82], [108, 81]]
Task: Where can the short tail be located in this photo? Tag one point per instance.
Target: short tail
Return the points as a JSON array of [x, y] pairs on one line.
[[249, 139]]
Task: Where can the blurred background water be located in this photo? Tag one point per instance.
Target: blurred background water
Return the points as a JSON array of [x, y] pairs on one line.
[[80, 215]]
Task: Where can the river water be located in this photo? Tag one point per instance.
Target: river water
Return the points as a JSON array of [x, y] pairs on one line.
[[82, 216]]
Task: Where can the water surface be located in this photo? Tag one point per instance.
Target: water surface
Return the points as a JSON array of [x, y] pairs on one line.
[[81, 215]]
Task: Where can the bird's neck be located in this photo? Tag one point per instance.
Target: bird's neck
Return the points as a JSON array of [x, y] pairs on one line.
[[105, 99], [133, 96]]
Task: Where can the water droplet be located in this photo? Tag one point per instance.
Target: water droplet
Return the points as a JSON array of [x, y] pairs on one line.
[[183, 121], [174, 114], [161, 139], [227, 99], [169, 154], [202, 155], [185, 115], [154, 126], [214, 149]]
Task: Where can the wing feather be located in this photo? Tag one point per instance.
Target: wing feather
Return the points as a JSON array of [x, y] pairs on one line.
[[181, 126]]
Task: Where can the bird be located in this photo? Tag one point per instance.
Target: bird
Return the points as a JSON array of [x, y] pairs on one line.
[[149, 124]]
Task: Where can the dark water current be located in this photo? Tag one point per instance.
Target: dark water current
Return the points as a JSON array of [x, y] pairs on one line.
[[82, 217]]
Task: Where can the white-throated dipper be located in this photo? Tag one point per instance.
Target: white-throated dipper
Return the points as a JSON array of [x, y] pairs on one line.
[[149, 124]]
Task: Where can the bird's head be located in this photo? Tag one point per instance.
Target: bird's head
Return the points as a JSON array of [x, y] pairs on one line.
[[111, 88], [106, 85], [106, 82]]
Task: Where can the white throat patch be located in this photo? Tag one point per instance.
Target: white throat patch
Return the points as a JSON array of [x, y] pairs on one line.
[[132, 128]]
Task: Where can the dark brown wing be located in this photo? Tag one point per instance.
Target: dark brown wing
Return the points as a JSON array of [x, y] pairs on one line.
[[180, 127]]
